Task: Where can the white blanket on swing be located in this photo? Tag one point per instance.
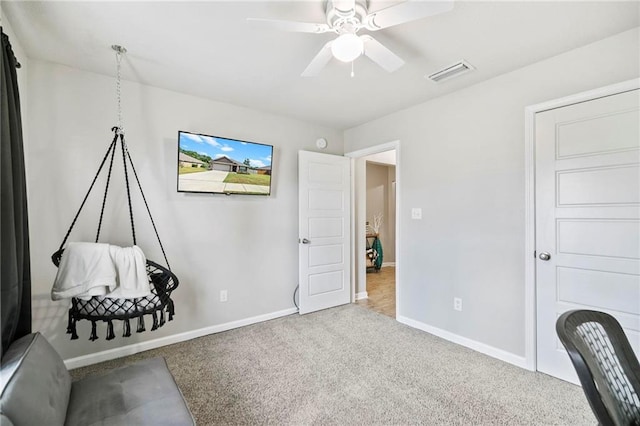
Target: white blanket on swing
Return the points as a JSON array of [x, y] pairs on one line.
[[96, 269]]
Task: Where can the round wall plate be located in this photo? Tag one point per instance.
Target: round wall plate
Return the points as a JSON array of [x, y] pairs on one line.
[[321, 143]]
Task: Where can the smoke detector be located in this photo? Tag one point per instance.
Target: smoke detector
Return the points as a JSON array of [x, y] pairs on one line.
[[453, 70]]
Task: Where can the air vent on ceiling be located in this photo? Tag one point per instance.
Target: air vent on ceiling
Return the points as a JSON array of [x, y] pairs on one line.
[[451, 71]]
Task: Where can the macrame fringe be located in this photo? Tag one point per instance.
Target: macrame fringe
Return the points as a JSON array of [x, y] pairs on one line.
[[71, 327], [126, 328], [140, 324], [94, 334], [74, 334], [110, 334], [154, 306], [170, 309], [155, 321]]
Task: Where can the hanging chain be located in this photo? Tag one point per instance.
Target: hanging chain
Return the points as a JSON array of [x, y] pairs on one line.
[[119, 93], [120, 133], [119, 51]]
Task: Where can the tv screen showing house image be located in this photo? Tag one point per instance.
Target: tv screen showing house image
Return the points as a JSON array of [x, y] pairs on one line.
[[215, 165]]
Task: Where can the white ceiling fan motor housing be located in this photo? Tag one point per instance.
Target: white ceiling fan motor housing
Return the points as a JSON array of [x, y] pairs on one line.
[[346, 21]]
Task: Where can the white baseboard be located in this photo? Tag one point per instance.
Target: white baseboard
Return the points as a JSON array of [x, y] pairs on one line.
[[362, 295], [107, 355], [518, 361], [385, 264]]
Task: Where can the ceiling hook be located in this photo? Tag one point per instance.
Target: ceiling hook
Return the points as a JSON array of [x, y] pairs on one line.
[[119, 49]]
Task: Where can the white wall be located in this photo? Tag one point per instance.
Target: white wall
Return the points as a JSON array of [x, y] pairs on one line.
[[462, 159], [244, 244]]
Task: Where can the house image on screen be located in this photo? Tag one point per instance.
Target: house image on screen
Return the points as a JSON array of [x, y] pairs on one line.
[[188, 161], [227, 164], [264, 170]]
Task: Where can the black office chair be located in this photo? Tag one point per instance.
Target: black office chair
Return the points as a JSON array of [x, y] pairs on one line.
[[606, 365]]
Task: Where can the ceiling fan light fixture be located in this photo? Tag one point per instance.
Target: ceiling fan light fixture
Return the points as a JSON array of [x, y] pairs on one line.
[[347, 47]]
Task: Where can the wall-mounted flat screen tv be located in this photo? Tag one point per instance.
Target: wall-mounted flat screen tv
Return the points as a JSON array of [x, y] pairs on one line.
[[215, 165]]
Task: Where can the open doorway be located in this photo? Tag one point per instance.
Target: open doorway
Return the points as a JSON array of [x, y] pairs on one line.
[[375, 206]]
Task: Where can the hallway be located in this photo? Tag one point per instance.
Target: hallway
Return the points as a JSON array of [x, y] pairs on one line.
[[381, 291]]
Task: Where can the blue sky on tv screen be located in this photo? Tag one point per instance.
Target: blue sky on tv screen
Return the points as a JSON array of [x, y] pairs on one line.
[[214, 147]]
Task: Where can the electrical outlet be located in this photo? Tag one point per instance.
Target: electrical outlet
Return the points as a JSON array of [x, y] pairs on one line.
[[223, 295], [457, 304], [416, 213]]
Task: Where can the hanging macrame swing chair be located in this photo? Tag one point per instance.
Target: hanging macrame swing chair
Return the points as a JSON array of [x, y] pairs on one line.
[[161, 280]]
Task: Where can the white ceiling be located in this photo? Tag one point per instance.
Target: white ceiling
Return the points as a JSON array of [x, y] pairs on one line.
[[208, 49]]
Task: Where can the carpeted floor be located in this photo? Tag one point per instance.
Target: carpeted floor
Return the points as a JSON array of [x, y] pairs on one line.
[[351, 366]]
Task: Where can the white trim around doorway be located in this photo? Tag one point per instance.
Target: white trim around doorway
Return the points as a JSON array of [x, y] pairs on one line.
[[362, 295], [388, 146], [530, 218]]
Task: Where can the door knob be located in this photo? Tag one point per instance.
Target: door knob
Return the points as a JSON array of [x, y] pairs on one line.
[[544, 256], [305, 241]]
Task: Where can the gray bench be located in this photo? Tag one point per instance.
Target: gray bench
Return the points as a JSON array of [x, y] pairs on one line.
[[37, 390]]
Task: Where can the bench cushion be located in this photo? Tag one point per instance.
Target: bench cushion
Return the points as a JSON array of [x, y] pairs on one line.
[[140, 393], [35, 383]]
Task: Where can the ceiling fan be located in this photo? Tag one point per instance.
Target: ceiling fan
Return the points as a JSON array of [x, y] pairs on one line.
[[346, 18]]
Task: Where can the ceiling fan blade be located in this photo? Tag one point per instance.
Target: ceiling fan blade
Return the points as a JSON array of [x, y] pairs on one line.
[[293, 26], [408, 11], [320, 61], [380, 54]]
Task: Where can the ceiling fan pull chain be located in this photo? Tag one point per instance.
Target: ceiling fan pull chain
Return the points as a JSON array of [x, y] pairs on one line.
[[352, 73]]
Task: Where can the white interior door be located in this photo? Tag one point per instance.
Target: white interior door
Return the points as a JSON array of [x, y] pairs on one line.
[[587, 219], [324, 188]]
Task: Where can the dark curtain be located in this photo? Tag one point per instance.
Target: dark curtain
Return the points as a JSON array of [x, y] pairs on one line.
[[14, 228]]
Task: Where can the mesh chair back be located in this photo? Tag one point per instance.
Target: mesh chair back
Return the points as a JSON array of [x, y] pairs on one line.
[[606, 365]]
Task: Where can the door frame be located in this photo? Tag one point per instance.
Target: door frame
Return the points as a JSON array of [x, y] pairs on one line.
[[530, 216], [362, 270]]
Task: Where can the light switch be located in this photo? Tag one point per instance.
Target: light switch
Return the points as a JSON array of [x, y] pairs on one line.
[[416, 213]]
